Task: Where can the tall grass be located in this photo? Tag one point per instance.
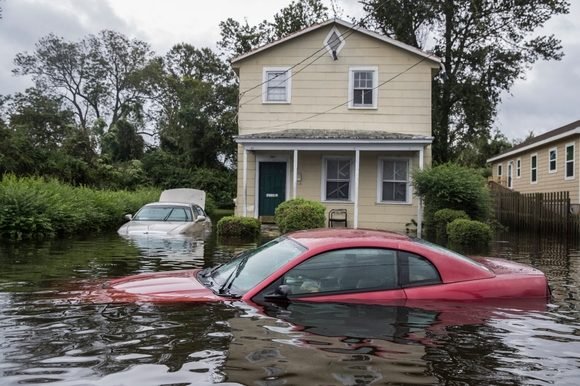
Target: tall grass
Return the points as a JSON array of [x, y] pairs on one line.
[[37, 207]]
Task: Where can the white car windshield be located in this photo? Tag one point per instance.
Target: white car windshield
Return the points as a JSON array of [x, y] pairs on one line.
[[251, 267], [164, 213]]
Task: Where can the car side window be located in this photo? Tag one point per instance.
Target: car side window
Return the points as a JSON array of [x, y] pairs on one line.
[[415, 270], [345, 270], [198, 211]]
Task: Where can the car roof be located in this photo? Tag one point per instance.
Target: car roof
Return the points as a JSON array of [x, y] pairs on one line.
[[318, 237], [169, 204]]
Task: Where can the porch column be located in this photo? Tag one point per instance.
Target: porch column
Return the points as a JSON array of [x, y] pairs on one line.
[[356, 178], [245, 183], [295, 174], [420, 206]]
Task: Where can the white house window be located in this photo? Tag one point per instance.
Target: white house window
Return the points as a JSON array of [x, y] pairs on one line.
[[553, 156], [534, 168], [569, 161], [499, 170], [276, 85], [518, 168], [510, 173], [337, 182], [394, 182], [363, 87], [334, 43]]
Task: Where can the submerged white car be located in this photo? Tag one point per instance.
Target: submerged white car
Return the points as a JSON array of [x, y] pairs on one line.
[[178, 212]]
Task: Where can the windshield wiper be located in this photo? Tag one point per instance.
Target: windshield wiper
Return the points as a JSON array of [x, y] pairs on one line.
[[227, 285]]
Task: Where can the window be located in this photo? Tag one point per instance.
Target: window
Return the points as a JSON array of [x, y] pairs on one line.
[[394, 180], [334, 43], [569, 161], [363, 83], [277, 84], [552, 160], [499, 170], [337, 181], [518, 168], [416, 271], [510, 174], [534, 168], [353, 270]]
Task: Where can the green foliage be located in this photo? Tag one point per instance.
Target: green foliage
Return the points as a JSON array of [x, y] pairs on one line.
[[35, 207], [469, 235], [238, 227], [485, 46], [442, 218], [298, 214], [453, 187]]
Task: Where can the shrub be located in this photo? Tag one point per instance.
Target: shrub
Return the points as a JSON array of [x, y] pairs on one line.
[[454, 187], [469, 234], [298, 214], [239, 227], [442, 218]]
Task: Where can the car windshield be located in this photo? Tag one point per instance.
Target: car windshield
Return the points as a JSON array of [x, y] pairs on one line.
[[164, 213], [445, 251], [251, 267]]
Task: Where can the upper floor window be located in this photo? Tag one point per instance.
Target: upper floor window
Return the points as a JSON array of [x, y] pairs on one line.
[[518, 168], [394, 183], [553, 156], [337, 184], [510, 173], [499, 170], [334, 42], [570, 161], [276, 85], [363, 84], [534, 168]]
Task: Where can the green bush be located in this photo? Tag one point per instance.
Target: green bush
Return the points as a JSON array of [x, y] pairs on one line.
[[442, 218], [238, 227], [453, 187], [469, 235], [35, 207], [298, 214]]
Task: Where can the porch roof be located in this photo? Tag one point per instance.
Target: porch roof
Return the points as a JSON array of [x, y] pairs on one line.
[[320, 139]]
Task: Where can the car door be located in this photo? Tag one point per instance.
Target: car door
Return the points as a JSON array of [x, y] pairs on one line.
[[353, 274]]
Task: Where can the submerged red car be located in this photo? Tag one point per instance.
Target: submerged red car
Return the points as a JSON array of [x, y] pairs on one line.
[[338, 265]]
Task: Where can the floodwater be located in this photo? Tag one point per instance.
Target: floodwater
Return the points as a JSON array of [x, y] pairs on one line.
[[48, 337]]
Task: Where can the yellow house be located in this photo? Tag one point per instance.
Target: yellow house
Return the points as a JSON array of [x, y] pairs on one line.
[[546, 163], [337, 114]]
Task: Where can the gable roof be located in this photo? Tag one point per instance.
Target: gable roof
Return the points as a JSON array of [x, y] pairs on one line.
[[345, 24], [542, 139]]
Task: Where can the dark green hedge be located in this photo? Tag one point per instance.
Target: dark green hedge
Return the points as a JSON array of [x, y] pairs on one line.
[[238, 227], [444, 217], [469, 235], [298, 214]]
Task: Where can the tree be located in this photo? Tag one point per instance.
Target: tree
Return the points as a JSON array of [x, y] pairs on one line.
[[237, 38], [195, 94], [485, 46], [101, 77]]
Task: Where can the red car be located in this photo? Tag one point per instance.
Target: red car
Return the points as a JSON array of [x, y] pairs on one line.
[[332, 265]]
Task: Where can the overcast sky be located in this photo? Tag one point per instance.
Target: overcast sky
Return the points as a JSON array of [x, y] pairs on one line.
[[549, 97]]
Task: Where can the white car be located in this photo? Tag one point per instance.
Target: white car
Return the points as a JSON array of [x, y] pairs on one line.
[[178, 212]]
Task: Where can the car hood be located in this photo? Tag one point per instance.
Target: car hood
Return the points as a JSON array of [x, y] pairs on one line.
[[160, 287], [150, 227]]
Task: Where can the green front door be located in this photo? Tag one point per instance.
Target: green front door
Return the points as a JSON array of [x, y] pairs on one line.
[[272, 187]]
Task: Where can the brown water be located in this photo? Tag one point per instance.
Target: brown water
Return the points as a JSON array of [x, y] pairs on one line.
[[46, 337]]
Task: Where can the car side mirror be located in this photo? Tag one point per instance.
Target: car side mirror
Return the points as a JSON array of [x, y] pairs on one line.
[[128, 217], [200, 218], [280, 294]]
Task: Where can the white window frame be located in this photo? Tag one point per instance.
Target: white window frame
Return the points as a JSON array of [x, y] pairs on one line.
[[555, 150], [518, 168], [380, 181], [536, 169], [573, 161], [500, 171], [265, 83], [510, 175], [327, 38], [325, 159], [375, 88]]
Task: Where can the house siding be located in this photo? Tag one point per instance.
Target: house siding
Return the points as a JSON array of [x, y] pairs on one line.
[[546, 182], [404, 104]]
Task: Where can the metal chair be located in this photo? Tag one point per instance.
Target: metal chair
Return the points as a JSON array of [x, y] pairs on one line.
[[337, 216]]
